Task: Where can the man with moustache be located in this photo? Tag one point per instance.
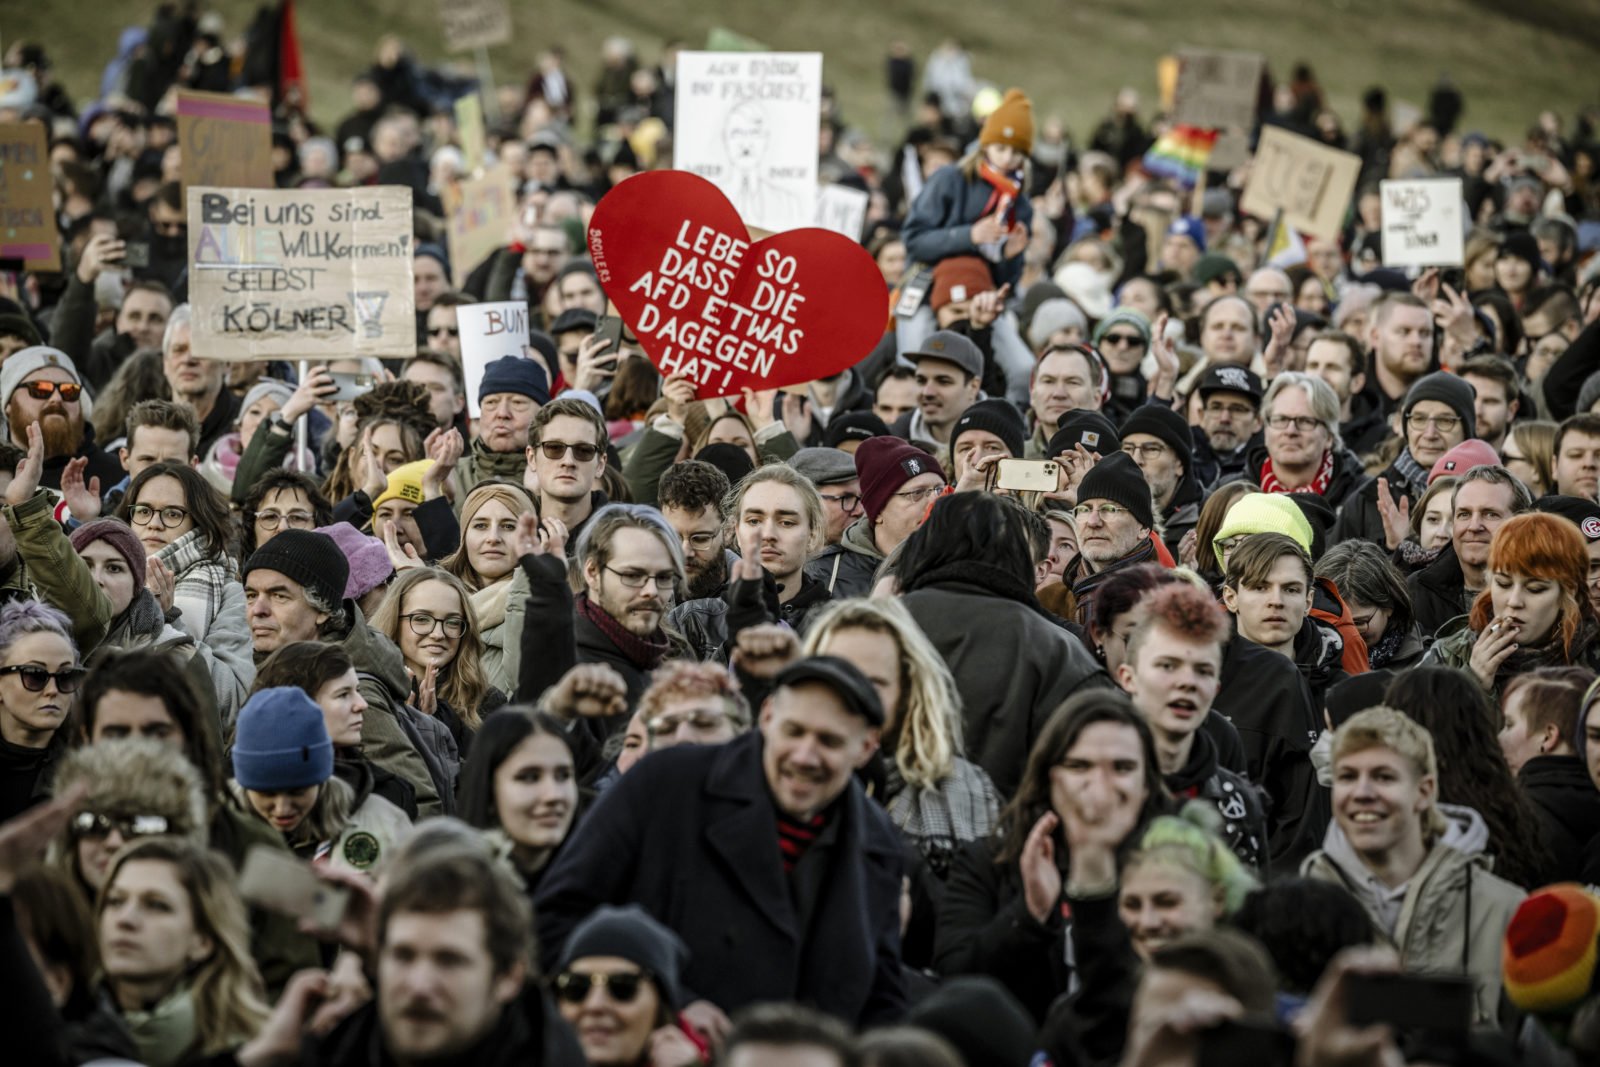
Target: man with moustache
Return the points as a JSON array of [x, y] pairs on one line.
[[41, 385], [691, 496], [1230, 424]]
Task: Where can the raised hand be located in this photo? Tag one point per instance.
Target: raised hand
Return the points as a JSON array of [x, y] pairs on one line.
[[1041, 878], [29, 471], [678, 390], [308, 394], [535, 538], [590, 691], [403, 557], [82, 500], [1396, 517], [162, 583]]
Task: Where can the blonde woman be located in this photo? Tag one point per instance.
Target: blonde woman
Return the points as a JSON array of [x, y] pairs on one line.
[[937, 798], [486, 563], [428, 614]]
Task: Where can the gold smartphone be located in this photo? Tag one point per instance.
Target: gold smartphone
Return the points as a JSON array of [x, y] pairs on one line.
[[1028, 475]]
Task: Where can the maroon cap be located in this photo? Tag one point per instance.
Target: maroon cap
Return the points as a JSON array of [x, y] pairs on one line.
[[887, 463]]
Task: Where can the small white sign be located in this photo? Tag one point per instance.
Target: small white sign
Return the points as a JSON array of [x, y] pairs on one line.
[[489, 332], [1422, 222], [842, 209]]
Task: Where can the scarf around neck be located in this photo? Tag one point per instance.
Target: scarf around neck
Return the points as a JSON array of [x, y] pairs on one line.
[[1319, 484], [1006, 187], [644, 653], [1415, 473], [1083, 589]]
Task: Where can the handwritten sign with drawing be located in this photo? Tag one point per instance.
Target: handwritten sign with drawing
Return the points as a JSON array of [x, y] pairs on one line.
[[1308, 181], [224, 140], [478, 213], [1422, 222], [301, 273], [28, 235]]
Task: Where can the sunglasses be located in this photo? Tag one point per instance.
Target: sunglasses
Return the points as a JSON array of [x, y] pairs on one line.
[[94, 826], [34, 679], [573, 987], [557, 449], [45, 390], [453, 331]]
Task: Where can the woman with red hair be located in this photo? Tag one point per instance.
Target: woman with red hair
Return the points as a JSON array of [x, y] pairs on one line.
[[1536, 611]]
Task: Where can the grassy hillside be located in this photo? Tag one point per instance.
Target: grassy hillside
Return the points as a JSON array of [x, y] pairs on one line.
[[1509, 57]]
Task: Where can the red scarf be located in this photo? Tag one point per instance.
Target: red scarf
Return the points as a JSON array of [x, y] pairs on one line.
[[644, 653], [1006, 187], [1319, 484]]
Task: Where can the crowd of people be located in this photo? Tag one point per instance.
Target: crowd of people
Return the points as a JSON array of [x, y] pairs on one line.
[[625, 726]]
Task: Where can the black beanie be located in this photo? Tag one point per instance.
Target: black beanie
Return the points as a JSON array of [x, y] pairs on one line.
[[1320, 517], [1449, 389], [981, 1018], [1090, 429], [1524, 246], [312, 559], [631, 933], [728, 458], [999, 417], [1165, 425], [1117, 478]]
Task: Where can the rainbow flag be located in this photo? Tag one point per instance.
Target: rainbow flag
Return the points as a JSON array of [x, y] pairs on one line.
[[1181, 155]]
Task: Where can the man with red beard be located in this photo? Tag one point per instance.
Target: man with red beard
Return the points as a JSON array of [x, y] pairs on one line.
[[41, 385]]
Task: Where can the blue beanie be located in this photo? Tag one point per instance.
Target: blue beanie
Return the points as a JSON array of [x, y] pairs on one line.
[[513, 374], [433, 251], [1190, 227], [281, 742]]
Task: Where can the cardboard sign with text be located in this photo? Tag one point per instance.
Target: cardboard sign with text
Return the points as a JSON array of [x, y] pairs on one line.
[[28, 236], [1217, 90], [747, 122], [489, 332], [469, 123], [707, 302], [1309, 182], [301, 273], [843, 210], [225, 141], [478, 218], [1422, 222], [470, 24]]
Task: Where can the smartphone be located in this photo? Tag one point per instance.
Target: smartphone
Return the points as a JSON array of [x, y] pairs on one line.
[[350, 387], [1256, 1042], [609, 328], [277, 881], [1437, 1003], [1028, 475], [136, 254], [1455, 278]]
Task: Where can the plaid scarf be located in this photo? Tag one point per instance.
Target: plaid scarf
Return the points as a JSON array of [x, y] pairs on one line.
[[964, 807], [646, 653], [1083, 589], [1416, 474], [1319, 484], [202, 581]]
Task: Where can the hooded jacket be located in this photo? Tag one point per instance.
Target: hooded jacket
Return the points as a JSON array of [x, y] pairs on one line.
[[846, 569], [1438, 593], [1244, 822], [1183, 513], [1319, 652], [1329, 608], [1568, 805], [1453, 914]]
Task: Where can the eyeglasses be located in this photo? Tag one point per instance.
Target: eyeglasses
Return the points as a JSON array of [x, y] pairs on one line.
[[1442, 423], [45, 390], [700, 542], [1303, 423], [453, 331], [917, 496], [171, 516], [95, 826], [1124, 340], [1227, 544], [34, 679], [1148, 450], [557, 449], [637, 579], [1107, 512], [422, 624], [573, 987], [702, 719], [847, 502], [297, 520], [1238, 411]]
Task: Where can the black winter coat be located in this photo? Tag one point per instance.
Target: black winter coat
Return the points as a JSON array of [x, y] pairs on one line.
[[1359, 517], [1438, 593], [1244, 819], [707, 865], [1568, 806]]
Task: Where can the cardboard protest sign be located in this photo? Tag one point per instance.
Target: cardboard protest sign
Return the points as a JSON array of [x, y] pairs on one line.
[[28, 236], [1217, 90], [747, 122], [478, 218], [489, 332], [729, 313], [225, 141], [469, 123], [301, 273], [470, 24], [842, 209], [1308, 181], [1422, 222]]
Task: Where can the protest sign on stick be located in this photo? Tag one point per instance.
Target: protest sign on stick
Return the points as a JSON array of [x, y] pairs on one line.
[[478, 213], [1422, 222], [747, 122], [1308, 181], [469, 123], [301, 273], [707, 302], [28, 236], [224, 141], [842, 209], [470, 24], [1217, 90], [489, 332]]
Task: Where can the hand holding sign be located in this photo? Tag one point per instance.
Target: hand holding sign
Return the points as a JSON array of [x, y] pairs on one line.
[[676, 261]]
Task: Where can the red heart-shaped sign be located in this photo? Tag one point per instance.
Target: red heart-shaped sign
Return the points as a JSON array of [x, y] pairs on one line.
[[679, 265]]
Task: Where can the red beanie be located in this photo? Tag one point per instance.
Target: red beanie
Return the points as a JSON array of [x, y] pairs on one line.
[[884, 465], [959, 278]]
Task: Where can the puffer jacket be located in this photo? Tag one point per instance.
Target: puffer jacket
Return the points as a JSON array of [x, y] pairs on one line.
[[1438, 593], [704, 622], [847, 568], [1453, 917]]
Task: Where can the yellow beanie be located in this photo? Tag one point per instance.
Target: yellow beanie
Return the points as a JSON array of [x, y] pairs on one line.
[[1256, 513], [405, 483], [1011, 123]]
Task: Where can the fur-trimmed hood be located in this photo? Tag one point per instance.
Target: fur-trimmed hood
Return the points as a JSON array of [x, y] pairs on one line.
[[138, 776]]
